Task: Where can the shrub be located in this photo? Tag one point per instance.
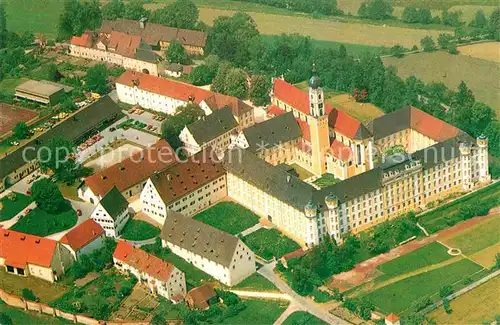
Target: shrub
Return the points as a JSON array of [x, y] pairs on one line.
[[5, 319], [28, 294], [422, 304], [445, 291], [446, 306]]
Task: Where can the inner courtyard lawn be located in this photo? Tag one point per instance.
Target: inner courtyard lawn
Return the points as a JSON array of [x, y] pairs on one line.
[[10, 208], [260, 312], [41, 223], [270, 242], [432, 253], [302, 318], [139, 230], [230, 217], [400, 296]]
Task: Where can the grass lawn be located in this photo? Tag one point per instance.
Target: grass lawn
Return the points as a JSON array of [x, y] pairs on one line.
[[401, 295], [169, 311], [40, 16], [139, 230], [99, 298], [474, 307], [258, 312], [302, 317], [11, 208], [41, 223], [436, 219], [8, 85], [229, 217], [326, 180], [255, 282], [432, 253], [69, 191], [20, 316], [44, 290], [270, 242]]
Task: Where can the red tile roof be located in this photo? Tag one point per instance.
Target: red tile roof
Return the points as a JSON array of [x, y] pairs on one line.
[[124, 44], [340, 150], [85, 40], [299, 100], [296, 253], [185, 177], [431, 126], [142, 261], [274, 111], [133, 170], [83, 234], [218, 101], [304, 127], [165, 87], [19, 249], [392, 318]]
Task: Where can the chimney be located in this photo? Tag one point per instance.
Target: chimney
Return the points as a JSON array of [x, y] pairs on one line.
[[288, 178], [142, 22]]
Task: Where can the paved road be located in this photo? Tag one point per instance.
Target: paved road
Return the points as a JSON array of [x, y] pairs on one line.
[[302, 302], [262, 294], [290, 310]]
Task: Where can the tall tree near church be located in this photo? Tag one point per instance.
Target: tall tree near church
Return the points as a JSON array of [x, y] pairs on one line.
[[3, 25]]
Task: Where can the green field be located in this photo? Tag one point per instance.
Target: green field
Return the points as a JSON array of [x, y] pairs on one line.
[[432, 253], [450, 69], [436, 219], [400, 296], [302, 318], [10, 208], [442, 4], [22, 317], [260, 312], [229, 217], [36, 16], [270, 242], [477, 237], [353, 49], [40, 223], [255, 282], [139, 230], [8, 85]]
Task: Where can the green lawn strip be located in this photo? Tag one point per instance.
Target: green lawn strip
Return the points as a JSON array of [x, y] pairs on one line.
[[432, 253], [229, 217], [99, 298], [302, 317], [258, 312], [20, 316], [10, 208], [255, 282], [477, 237], [439, 218], [401, 295], [41, 223], [326, 180], [270, 242], [139, 230]]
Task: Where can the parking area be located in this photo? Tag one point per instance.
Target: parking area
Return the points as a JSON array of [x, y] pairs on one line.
[[152, 121]]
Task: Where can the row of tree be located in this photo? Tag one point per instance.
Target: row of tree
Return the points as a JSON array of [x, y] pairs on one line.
[[324, 7]]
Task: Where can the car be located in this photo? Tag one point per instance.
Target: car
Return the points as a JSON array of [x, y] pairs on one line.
[[78, 212], [111, 129], [14, 143], [28, 192], [38, 129], [28, 210]]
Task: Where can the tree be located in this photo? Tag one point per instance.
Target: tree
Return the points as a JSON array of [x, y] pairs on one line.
[[219, 81], [51, 73], [96, 79], [158, 319], [201, 75], [79, 16], [397, 51], [21, 131], [444, 40], [5, 319], [236, 83], [452, 48], [464, 96], [428, 44], [47, 196], [446, 306], [135, 10], [173, 125], [3, 26], [410, 15], [475, 119], [494, 24], [376, 9], [231, 38], [492, 131], [445, 291], [497, 260], [113, 10], [176, 53], [28, 295], [425, 16], [180, 14], [259, 90], [479, 20], [451, 18]]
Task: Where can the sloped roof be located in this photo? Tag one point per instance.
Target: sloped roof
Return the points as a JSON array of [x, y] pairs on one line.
[[184, 177], [199, 238], [114, 203], [153, 33], [340, 150], [84, 40], [201, 295], [212, 126], [162, 86], [72, 128], [19, 249], [82, 234], [347, 125], [218, 101], [273, 132], [143, 261], [135, 169]]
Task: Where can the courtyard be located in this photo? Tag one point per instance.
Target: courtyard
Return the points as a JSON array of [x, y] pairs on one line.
[[229, 217]]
